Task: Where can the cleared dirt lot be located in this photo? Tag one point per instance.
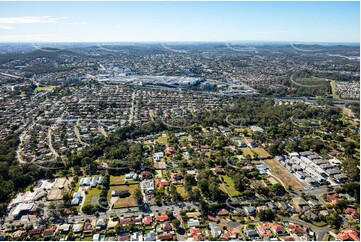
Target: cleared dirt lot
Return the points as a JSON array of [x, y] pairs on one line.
[[286, 178], [60, 186]]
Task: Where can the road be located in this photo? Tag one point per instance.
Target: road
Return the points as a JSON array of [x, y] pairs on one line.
[[131, 113], [50, 142], [124, 211], [18, 150], [102, 130], [21, 137], [76, 131]]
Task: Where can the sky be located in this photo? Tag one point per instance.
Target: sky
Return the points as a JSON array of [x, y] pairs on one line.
[[179, 21]]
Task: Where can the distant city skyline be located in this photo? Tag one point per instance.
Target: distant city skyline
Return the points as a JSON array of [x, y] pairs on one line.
[[180, 22]]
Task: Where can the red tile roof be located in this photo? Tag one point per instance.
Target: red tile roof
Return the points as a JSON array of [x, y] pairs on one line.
[[165, 236], [198, 237], [223, 212], [288, 238], [123, 237], [35, 231], [333, 198], [352, 211], [348, 234], [161, 183], [87, 227], [194, 231], [296, 229], [161, 218], [125, 221], [49, 231], [212, 218], [147, 220]]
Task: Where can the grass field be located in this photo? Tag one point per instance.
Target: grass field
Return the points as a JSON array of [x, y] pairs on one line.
[[161, 140], [286, 178], [117, 180], [247, 151], [261, 152], [229, 186], [183, 138], [319, 224], [182, 191], [22, 94], [127, 201], [159, 174], [92, 196], [45, 88], [334, 89]]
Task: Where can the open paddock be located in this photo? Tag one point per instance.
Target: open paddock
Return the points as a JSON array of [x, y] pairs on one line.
[[125, 202]]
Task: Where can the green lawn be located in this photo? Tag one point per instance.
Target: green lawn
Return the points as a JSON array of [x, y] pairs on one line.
[[247, 151], [114, 180], [159, 174], [334, 89], [22, 94], [162, 140], [183, 138], [182, 191], [229, 186], [119, 180], [319, 224], [92, 196], [87, 238]]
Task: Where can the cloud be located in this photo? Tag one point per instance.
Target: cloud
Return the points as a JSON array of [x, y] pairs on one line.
[[77, 23], [6, 27], [30, 19]]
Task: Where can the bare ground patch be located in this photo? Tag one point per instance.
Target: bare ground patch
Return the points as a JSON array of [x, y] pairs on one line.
[[286, 178]]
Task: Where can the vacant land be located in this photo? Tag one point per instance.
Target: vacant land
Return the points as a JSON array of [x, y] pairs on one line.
[[247, 151], [261, 152], [159, 174], [45, 88], [117, 180], [334, 89], [60, 186], [228, 186], [162, 140], [127, 201], [92, 196], [120, 180], [286, 178], [182, 191]]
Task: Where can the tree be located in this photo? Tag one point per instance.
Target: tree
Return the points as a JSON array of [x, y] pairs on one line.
[[238, 180], [88, 209], [176, 223], [66, 197], [266, 215], [203, 208], [278, 189], [196, 195], [138, 196]]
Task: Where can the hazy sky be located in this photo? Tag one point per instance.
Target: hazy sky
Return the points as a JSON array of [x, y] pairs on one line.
[[180, 21]]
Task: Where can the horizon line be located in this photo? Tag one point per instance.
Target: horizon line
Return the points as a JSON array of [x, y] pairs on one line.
[[185, 41]]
